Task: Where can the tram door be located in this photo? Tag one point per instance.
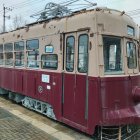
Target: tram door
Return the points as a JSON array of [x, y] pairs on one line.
[[75, 77]]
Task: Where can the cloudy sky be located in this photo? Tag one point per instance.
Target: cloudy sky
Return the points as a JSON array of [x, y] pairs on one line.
[[25, 8]]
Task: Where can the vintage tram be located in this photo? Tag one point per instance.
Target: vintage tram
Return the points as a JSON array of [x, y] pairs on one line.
[[81, 69]]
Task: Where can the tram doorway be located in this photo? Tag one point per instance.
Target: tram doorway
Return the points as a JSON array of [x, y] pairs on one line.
[[75, 77]]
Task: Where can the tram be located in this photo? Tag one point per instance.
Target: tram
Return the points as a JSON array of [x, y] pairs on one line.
[[81, 69]]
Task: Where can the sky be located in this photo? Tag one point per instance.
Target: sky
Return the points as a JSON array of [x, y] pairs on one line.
[[25, 8]]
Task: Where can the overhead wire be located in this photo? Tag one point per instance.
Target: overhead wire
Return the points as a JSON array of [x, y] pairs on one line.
[[134, 13], [22, 5], [25, 10], [70, 3], [25, 4], [67, 3]]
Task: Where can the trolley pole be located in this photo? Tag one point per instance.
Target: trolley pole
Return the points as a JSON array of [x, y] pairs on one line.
[[4, 16]]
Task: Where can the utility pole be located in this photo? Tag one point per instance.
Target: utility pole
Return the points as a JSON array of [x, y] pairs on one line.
[[4, 16]]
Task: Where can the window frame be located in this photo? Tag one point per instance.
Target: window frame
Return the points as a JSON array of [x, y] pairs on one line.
[[6, 53], [128, 30], [122, 52], [36, 54], [78, 52], [19, 50], [33, 48], [136, 58], [1, 45], [50, 67], [8, 50], [21, 60], [71, 53], [2, 53], [1, 59]]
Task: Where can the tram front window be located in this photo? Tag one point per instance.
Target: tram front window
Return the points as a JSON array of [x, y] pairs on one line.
[[112, 54]]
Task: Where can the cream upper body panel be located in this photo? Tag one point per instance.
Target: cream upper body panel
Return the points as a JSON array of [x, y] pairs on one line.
[[98, 22]]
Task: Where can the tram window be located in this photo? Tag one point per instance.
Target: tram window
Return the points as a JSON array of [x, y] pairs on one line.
[[9, 58], [32, 59], [70, 54], [112, 54], [19, 46], [1, 58], [49, 61], [1, 48], [19, 58], [131, 55], [32, 44], [8, 47], [130, 31], [83, 53]]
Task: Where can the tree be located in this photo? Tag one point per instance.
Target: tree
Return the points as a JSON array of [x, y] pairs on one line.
[[18, 21]]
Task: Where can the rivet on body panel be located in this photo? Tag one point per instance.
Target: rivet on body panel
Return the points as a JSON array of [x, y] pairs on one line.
[[54, 83]]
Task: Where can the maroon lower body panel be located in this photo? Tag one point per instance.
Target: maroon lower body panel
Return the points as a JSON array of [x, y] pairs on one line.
[[118, 104], [109, 101], [29, 83]]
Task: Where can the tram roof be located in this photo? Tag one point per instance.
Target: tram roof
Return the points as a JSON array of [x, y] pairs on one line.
[[77, 13], [98, 9]]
